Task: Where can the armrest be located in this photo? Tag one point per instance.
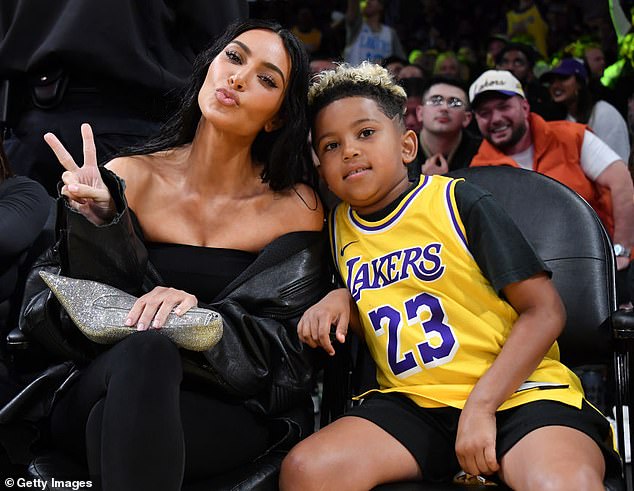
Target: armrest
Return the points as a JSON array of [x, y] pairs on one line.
[[623, 328], [16, 340]]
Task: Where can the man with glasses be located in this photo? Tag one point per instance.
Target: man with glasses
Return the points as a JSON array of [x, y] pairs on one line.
[[563, 150], [444, 142]]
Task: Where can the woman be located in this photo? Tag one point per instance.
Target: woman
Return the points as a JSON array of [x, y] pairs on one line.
[[24, 208], [568, 85], [217, 205]]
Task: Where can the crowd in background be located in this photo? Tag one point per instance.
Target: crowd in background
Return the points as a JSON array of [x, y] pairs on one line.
[[462, 39], [467, 28]]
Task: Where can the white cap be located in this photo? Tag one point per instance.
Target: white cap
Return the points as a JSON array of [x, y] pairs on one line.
[[501, 81]]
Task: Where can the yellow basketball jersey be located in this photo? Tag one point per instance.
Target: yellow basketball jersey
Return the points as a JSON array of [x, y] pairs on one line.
[[432, 321]]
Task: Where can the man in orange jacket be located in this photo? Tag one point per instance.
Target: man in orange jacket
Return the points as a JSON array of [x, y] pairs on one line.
[[566, 151]]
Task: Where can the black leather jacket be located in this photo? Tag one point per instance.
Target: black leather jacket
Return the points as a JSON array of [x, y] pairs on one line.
[[259, 358]]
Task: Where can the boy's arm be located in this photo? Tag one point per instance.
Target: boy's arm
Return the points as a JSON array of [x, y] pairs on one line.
[[541, 320], [337, 309]]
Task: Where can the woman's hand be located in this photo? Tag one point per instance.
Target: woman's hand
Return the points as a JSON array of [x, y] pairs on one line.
[[314, 326], [151, 310], [83, 186], [475, 441]]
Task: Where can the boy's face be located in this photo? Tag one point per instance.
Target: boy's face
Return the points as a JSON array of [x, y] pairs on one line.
[[362, 153]]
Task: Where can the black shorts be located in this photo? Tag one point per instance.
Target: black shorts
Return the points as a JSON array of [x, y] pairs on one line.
[[430, 434]]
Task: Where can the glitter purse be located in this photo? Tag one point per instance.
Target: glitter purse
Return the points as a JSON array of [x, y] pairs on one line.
[[99, 311]]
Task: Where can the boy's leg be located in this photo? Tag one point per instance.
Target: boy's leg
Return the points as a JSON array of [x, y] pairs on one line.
[[554, 458], [350, 453], [386, 438]]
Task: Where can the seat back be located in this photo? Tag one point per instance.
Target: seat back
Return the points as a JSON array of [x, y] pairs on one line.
[[569, 237]]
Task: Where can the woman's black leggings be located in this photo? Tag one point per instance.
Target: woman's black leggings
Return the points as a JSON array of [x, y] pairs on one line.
[[127, 417]]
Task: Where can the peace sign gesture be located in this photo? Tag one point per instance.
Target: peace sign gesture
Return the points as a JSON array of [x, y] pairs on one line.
[[83, 186]]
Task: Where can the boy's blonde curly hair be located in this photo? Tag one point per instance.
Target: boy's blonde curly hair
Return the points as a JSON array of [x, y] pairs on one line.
[[365, 80]]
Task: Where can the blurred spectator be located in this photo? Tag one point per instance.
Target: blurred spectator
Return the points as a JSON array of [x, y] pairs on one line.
[[526, 20], [394, 65], [568, 85], [519, 59], [444, 142], [447, 65], [595, 59], [414, 89], [369, 38], [306, 31], [495, 45], [320, 64], [469, 65], [113, 64], [427, 61], [411, 70]]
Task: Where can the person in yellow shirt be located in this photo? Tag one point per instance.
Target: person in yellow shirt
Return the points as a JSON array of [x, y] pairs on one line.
[[526, 20]]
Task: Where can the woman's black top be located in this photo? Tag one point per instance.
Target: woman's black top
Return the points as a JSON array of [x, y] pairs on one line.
[[200, 271]]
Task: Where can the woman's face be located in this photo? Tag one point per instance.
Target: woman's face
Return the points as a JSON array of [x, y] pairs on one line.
[[564, 89], [245, 84]]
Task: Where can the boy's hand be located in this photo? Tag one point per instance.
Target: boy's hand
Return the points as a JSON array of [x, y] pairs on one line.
[[475, 441], [314, 326]]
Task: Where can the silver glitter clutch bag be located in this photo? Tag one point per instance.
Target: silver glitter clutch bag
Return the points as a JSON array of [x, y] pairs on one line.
[[99, 311]]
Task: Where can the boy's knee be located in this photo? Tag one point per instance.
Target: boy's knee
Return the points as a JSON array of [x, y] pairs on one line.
[[569, 476], [300, 469]]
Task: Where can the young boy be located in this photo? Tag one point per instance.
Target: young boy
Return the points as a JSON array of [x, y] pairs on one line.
[[456, 309]]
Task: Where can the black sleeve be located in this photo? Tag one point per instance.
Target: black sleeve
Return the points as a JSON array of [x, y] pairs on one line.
[[260, 347], [497, 245], [112, 253], [24, 208]]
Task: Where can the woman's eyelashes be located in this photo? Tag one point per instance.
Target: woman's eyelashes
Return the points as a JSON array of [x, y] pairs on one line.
[[266, 79], [233, 56]]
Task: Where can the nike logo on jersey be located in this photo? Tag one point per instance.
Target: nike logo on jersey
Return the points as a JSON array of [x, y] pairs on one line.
[[346, 246]]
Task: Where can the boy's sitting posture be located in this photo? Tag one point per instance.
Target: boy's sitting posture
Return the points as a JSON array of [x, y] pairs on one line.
[[457, 311]]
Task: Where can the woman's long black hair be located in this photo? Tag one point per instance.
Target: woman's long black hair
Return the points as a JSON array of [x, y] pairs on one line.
[[585, 101], [284, 152]]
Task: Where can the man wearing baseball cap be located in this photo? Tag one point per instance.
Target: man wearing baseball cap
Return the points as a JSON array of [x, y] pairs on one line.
[[563, 150]]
